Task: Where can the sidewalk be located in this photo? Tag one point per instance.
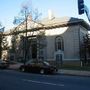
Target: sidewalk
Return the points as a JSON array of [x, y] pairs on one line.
[[14, 66], [74, 72]]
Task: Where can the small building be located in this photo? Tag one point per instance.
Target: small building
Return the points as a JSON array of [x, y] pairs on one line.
[[52, 39]]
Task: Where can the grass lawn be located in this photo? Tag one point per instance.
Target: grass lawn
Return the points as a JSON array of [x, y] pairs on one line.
[[70, 67], [76, 65]]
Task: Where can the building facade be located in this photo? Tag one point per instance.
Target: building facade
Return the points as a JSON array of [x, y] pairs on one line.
[[54, 39]]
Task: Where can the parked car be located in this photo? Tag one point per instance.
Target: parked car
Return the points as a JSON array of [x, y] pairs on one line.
[[3, 64], [42, 67]]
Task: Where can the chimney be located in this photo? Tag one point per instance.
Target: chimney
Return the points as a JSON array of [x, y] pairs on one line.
[[30, 18], [50, 15]]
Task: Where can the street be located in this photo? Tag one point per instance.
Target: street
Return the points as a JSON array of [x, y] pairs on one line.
[[15, 80]]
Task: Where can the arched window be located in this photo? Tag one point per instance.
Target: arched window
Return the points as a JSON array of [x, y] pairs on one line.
[[59, 45]]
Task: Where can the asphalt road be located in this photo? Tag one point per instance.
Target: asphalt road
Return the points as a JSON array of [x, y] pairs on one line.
[[14, 80]]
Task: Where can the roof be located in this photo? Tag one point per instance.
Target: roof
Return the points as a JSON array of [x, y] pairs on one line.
[[51, 23], [63, 21]]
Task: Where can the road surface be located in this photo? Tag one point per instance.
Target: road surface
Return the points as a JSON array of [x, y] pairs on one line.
[[15, 80]]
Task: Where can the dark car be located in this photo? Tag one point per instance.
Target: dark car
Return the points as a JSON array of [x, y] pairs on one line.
[[3, 64], [42, 67]]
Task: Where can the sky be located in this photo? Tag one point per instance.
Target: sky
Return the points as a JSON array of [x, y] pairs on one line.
[[60, 8]]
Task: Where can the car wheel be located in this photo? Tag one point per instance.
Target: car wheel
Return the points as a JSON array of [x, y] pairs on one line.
[[23, 69], [42, 71]]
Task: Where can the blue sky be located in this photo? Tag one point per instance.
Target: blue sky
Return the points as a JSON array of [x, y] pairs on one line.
[[60, 8]]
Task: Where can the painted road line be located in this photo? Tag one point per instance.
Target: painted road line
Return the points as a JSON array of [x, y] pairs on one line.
[[39, 82]]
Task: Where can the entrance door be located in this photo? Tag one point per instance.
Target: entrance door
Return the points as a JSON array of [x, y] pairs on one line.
[[34, 51], [59, 60]]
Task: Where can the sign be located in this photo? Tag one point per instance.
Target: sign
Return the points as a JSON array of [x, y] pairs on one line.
[[81, 7]]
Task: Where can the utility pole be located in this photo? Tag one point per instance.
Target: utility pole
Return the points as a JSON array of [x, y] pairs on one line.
[[23, 19], [25, 57]]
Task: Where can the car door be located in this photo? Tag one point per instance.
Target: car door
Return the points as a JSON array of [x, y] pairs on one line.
[[35, 67], [39, 66], [30, 67]]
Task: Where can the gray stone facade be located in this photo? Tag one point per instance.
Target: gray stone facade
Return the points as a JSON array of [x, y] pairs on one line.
[[61, 40]]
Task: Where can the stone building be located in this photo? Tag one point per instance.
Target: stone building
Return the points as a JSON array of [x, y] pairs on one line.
[[51, 39]]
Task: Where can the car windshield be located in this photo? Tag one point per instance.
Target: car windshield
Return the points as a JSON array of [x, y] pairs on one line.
[[30, 62], [46, 63]]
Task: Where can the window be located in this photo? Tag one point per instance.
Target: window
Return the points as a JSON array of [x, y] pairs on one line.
[[59, 45]]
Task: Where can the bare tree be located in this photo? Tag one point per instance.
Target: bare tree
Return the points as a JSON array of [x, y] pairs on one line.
[[26, 42]]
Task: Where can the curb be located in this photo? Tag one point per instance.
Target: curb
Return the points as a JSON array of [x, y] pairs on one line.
[[74, 73]]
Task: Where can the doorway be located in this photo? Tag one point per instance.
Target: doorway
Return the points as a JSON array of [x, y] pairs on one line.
[[59, 61], [34, 50]]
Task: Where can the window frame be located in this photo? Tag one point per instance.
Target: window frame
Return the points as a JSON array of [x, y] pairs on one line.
[[59, 43]]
